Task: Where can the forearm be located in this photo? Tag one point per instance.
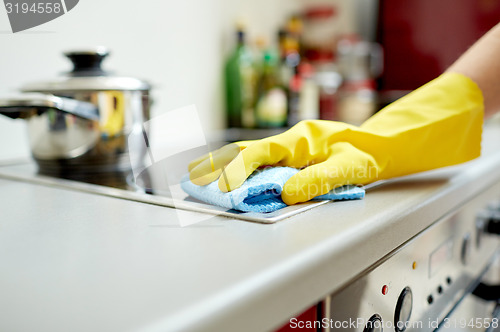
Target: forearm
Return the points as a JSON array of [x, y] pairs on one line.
[[481, 64]]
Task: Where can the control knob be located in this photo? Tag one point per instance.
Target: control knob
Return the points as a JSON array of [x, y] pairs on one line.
[[489, 220], [403, 309], [374, 324]]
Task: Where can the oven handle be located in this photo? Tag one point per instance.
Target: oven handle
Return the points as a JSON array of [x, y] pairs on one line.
[[487, 292]]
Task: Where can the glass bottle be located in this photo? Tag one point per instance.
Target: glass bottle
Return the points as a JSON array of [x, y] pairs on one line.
[[240, 79], [271, 107]]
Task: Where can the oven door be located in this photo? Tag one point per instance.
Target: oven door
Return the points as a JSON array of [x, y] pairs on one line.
[[478, 310], [427, 283], [472, 314]]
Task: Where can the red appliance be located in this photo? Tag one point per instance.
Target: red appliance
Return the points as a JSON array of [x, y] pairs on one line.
[[421, 38]]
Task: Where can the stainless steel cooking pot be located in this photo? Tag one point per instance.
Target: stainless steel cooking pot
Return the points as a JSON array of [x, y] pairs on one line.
[[86, 120]]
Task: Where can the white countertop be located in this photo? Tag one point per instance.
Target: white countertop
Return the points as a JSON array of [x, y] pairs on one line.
[[73, 261]]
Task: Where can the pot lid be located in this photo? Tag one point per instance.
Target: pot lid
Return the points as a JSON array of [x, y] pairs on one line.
[[87, 75]]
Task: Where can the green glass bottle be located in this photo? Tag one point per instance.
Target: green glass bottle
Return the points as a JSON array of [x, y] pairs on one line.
[[271, 107], [240, 79]]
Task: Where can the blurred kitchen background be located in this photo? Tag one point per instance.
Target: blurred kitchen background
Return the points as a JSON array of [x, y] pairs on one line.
[[257, 66]]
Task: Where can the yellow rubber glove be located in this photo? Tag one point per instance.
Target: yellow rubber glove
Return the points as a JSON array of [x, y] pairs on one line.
[[437, 125]]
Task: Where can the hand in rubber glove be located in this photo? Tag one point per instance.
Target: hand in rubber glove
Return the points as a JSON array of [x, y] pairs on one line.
[[437, 125]]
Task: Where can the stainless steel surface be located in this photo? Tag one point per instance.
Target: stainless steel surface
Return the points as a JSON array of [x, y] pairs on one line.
[[116, 108], [441, 266]]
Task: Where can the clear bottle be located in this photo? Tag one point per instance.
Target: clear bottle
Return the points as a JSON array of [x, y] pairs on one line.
[[309, 93], [329, 81], [360, 63], [357, 101]]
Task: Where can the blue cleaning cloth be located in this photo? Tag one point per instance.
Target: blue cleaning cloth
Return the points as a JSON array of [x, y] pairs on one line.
[[261, 192]]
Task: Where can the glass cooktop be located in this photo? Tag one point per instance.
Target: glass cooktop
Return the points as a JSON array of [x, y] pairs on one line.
[[158, 184]]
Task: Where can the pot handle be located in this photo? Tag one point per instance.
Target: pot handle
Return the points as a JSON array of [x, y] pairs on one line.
[[26, 105]]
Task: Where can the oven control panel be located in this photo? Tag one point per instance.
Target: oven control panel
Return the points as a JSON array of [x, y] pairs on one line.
[[417, 287]]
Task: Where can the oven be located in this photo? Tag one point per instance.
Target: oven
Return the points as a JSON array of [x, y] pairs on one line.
[[443, 279]]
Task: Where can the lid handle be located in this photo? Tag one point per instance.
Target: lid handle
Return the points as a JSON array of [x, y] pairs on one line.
[[87, 62]]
